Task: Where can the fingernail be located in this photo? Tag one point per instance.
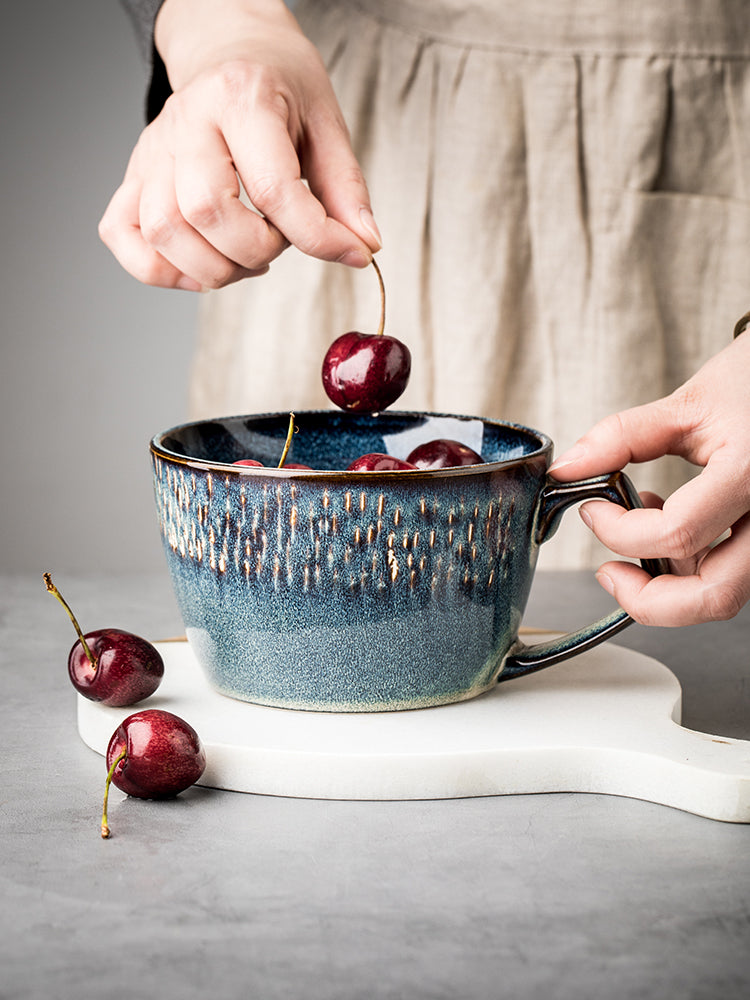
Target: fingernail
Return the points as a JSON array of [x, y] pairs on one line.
[[586, 517], [573, 454], [606, 582], [354, 258], [368, 221]]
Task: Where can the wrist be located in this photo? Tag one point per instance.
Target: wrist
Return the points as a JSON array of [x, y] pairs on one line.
[[193, 35]]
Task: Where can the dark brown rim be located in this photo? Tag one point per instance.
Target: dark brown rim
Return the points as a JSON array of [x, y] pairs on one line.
[[158, 449]]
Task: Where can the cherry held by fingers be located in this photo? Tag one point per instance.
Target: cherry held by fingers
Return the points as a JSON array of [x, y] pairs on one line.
[[152, 755], [109, 665], [366, 372]]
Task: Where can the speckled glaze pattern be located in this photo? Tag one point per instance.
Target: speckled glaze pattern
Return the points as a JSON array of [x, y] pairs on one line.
[[339, 591]]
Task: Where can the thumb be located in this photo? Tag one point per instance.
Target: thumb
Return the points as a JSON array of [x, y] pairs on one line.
[[336, 179], [640, 434]]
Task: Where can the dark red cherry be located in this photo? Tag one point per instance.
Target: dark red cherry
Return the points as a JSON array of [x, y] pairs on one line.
[[365, 371], [377, 462], [110, 665], [152, 755], [443, 453], [259, 465]]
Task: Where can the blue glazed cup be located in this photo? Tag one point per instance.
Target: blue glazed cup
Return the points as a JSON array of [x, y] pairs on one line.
[[362, 591]]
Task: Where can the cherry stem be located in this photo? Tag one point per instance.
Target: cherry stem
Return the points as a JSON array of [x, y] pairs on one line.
[[288, 442], [382, 298], [105, 823], [52, 589]]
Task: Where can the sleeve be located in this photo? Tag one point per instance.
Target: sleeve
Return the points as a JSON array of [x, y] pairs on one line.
[[142, 14]]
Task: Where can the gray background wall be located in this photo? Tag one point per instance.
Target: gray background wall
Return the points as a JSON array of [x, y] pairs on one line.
[[93, 363]]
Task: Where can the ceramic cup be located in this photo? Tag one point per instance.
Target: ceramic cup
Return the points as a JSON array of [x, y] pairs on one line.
[[338, 591]]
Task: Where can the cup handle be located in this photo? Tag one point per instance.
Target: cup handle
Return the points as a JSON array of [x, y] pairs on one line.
[[556, 497]]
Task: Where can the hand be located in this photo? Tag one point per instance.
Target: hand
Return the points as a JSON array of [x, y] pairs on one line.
[[252, 106], [707, 422]]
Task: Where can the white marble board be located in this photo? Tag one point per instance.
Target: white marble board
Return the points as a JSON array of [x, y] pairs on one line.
[[606, 721]]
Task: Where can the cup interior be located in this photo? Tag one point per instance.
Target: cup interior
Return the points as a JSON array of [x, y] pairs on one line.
[[329, 440]]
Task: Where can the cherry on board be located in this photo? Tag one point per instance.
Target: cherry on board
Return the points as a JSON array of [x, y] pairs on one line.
[[110, 665], [152, 754]]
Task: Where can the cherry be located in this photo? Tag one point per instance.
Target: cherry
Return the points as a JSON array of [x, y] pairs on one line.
[[443, 453], [375, 461], [365, 371], [152, 755], [109, 665], [283, 464]]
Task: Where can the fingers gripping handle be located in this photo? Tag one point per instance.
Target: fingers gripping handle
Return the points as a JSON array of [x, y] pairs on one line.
[[617, 488]]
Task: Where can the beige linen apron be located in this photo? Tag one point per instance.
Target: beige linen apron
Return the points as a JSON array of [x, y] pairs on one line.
[[563, 190]]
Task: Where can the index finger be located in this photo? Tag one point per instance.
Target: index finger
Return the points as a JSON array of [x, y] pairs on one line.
[[269, 168], [639, 434]]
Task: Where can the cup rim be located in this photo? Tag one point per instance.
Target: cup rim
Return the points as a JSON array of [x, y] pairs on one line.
[[158, 449]]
